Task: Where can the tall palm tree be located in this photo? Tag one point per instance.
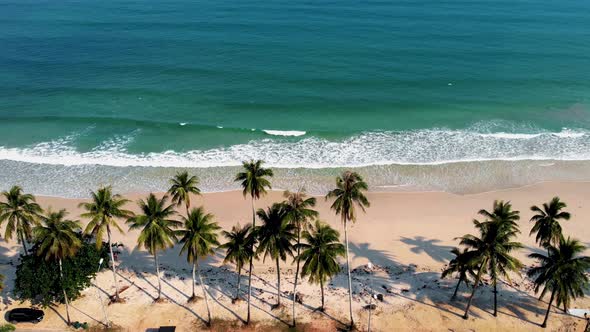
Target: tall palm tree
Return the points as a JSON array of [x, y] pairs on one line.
[[547, 220], [20, 211], [238, 250], [320, 254], [57, 240], [103, 211], [275, 236], [562, 271], [463, 264], [254, 182], [299, 213], [198, 238], [348, 195], [182, 186], [494, 246], [157, 228]]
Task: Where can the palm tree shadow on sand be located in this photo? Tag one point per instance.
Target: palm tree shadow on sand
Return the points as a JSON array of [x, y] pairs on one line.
[[430, 247]]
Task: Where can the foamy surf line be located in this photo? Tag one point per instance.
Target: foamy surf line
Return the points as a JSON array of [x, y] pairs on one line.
[[423, 147]]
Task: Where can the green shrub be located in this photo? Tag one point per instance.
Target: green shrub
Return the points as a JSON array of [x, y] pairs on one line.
[[38, 280], [7, 328]]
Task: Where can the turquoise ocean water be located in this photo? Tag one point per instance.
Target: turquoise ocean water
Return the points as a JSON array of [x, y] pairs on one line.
[[444, 95]]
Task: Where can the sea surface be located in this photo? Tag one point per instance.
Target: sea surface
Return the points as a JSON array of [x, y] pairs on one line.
[[462, 96]]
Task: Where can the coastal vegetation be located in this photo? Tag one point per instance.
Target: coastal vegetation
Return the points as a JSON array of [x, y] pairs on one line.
[[64, 258]]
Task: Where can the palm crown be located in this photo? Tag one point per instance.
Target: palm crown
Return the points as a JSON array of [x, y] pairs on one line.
[[199, 235], [253, 179], [562, 272], [20, 212], [320, 252], [276, 234], [348, 194], [182, 186], [238, 248], [103, 210], [56, 236], [546, 221]]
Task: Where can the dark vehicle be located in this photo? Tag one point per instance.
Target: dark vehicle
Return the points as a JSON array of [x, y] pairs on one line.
[[25, 315]]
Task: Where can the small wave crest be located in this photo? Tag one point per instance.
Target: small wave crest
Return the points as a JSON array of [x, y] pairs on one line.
[[294, 133]]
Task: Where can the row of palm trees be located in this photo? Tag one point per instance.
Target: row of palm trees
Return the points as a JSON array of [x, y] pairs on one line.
[[289, 229], [562, 272]]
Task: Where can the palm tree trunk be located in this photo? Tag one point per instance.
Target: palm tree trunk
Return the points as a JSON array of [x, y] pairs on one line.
[[113, 266], [239, 268], [278, 283], [466, 315], [544, 325], [65, 295], [158, 275], [204, 293], [251, 263], [322, 288], [495, 299], [348, 269], [457, 287], [22, 240], [194, 281], [296, 272]]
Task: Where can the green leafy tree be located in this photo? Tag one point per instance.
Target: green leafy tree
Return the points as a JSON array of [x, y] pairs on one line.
[[347, 196], [562, 272], [546, 221], [254, 182], [39, 280], [238, 249], [299, 213], [320, 253], [494, 246], [463, 264], [182, 186], [157, 228], [275, 236], [20, 212], [57, 240], [103, 211], [198, 238]]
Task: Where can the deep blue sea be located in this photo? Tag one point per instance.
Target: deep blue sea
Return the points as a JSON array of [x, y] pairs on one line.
[[444, 95]]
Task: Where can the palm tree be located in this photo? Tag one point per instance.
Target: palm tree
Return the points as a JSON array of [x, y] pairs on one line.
[[275, 236], [20, 212], [238, 249], [461, 264], [299, 213], [103, 210], [157, 228], [562, 271], [494, 246], [546, 221], [347, 195], [57, 240], [254, 183], [198, 238], [320, 254], [182, 186]]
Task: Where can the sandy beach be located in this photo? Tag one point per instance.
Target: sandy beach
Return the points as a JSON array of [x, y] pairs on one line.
[[407, 236]]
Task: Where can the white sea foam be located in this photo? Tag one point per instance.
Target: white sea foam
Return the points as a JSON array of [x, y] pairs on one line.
[[284, 132], [182, 123], [422, 147]]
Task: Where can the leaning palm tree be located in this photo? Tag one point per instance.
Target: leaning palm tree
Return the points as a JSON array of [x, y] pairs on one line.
[[494, 246], [238, 250], [347, 195], [182, 186], [20, 212], [275, 236], [57, 240], [157, 228], [198, 238], [547, 220], [299, 213], [463, 264], [320, 254], [254, 182], [103, 211], [562, 272]]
